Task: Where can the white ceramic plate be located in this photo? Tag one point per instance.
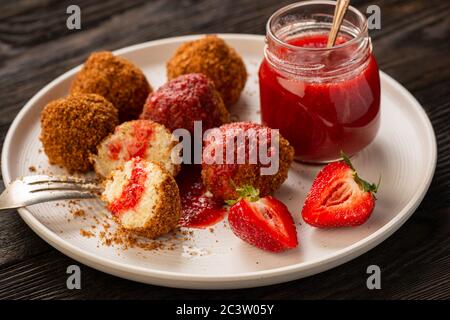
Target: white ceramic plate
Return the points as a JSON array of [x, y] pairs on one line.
[[404, 152]]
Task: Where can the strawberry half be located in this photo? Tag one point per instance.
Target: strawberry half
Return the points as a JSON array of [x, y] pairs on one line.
[[265, 222], [339, 197]]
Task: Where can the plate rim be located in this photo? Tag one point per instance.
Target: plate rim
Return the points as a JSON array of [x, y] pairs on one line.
[[240, 280]]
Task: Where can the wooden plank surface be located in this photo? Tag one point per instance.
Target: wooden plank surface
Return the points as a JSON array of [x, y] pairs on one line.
[[412, 46]]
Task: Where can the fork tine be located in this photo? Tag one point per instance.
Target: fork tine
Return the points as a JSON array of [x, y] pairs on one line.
[[37, 179], [43, 182], [30, 190], [9, 202], [54, 195], [31, 179], [64, 186]]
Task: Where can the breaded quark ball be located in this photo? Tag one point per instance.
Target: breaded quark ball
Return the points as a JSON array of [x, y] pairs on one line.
[[72, 127], [143, 198], [138, 138], [117, 80], [215, 59], [185, 99], [222, 179]]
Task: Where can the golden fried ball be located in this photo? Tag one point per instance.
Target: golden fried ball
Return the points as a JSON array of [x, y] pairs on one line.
[[72, 127], [215, 59], [117, 80]]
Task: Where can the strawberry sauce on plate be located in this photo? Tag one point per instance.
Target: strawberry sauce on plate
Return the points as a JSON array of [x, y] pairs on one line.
[[199, 208]]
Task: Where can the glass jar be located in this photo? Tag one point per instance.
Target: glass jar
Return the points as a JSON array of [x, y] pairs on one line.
[[323, 100]]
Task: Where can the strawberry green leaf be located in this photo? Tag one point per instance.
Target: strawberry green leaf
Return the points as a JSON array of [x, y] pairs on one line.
[[346, 159], [363, 184], [366, 186], [246, 192], [232, 202]]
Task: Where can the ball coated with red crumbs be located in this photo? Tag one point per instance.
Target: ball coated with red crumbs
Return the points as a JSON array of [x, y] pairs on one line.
[[117, 80], [211, 56], [185, 99], [244, 143], [72, 127]]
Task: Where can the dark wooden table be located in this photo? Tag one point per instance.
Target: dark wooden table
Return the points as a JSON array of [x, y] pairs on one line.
[[412, 46]]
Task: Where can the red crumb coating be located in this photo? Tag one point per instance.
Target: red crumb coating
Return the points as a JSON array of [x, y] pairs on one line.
[[223, 179], [181, 101]]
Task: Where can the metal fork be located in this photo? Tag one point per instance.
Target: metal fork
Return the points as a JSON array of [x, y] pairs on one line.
[[41, 188]]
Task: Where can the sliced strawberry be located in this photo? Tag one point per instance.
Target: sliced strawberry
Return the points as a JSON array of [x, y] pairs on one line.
[[339, 197], [265, 222]]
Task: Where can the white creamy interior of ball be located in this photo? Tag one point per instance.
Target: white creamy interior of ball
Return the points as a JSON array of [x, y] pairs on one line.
[[158, 150], [138, 216]]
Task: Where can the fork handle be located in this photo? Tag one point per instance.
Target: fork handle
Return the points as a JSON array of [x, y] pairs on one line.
[[44, 197]]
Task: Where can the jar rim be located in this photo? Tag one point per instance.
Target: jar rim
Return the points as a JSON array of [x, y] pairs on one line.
[[361, 34]]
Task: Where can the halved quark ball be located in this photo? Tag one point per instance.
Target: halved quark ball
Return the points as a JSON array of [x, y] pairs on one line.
[[143, 198], [139, 138]]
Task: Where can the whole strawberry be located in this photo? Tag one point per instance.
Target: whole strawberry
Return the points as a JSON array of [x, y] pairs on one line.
[[264, 222], [339, 197]]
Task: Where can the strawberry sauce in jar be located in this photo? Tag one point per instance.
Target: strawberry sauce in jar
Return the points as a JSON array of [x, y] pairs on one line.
[[323, 100]]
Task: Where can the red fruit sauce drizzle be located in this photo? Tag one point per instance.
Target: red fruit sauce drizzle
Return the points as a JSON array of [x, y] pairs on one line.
[[132, 191], [198, 210], [136, 146]]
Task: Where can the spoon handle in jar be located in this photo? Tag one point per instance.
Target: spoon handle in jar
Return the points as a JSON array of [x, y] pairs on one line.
[[339, 13]]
